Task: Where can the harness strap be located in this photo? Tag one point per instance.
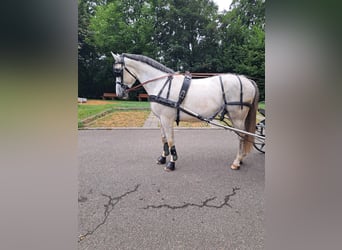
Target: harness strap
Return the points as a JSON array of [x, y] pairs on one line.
[[129, 72], [223, 94], [172, 104], [182, 93], [241, 93], [224, 110], [241, 102], [162, 100], [168, 90], [168, 81]]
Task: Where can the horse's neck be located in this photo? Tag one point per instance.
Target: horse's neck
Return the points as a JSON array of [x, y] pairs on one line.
[[144, 73]]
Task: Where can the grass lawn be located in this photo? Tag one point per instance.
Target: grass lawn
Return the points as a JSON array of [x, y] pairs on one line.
[[262, 105], [85, 111], [93, 107], [98, 107]]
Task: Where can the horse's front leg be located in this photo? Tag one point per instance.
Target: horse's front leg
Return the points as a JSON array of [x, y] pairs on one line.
[[168, 144], [170, 166]]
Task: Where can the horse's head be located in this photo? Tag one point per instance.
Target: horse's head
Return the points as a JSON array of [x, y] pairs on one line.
[[122, 79]]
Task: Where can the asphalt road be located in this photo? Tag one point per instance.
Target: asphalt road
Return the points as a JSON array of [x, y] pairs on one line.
[[126, 201]]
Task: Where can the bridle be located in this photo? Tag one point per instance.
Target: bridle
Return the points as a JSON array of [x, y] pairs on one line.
[[118, 73]]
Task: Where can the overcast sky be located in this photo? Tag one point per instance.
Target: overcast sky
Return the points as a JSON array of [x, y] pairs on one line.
[[223, 4]]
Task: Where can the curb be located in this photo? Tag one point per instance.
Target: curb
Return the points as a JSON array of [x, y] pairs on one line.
[[97, 116]]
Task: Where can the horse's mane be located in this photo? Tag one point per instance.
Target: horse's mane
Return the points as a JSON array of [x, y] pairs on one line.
[[150, 62]]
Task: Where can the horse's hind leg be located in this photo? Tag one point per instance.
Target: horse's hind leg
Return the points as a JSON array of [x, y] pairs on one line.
[[239, 122], [238, 159]]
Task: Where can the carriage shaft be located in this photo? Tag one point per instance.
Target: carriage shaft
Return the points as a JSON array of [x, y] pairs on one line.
[[236, 130], [220, 125]]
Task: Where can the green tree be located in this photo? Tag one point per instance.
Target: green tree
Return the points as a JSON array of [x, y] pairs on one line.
[[182, 34], [93, 74], [123, 26], [243, 40], [185, 32]]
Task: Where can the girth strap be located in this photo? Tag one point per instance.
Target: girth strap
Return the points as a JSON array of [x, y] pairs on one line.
[[162, 100], [241, 92], [182, 93], [224, 110]]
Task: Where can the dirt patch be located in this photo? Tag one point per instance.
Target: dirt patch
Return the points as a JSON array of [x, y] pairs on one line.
[[193, 124], [134, 119], [122, 119], [97, 102]]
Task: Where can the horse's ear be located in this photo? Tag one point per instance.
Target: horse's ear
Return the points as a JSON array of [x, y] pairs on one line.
[[116, 57]]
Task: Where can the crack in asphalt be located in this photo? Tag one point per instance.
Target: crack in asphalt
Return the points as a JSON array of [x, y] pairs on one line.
[[112, 201], [201, 205]]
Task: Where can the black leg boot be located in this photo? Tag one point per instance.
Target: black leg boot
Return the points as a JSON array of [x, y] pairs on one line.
[[161, 160], [170, 166]]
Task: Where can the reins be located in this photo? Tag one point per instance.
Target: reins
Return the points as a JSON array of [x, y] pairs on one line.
[[148, 81]]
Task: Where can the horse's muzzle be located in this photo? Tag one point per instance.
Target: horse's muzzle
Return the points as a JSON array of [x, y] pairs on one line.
[[121, 90]]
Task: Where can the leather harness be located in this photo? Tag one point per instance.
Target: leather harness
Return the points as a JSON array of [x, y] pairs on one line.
[[183, 92]]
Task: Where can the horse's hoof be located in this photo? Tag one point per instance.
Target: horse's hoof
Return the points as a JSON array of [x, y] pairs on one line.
[[234, 167], [161, 160], [170, 166]]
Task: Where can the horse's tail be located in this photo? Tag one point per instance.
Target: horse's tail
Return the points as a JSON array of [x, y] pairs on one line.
[[250, 122]]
